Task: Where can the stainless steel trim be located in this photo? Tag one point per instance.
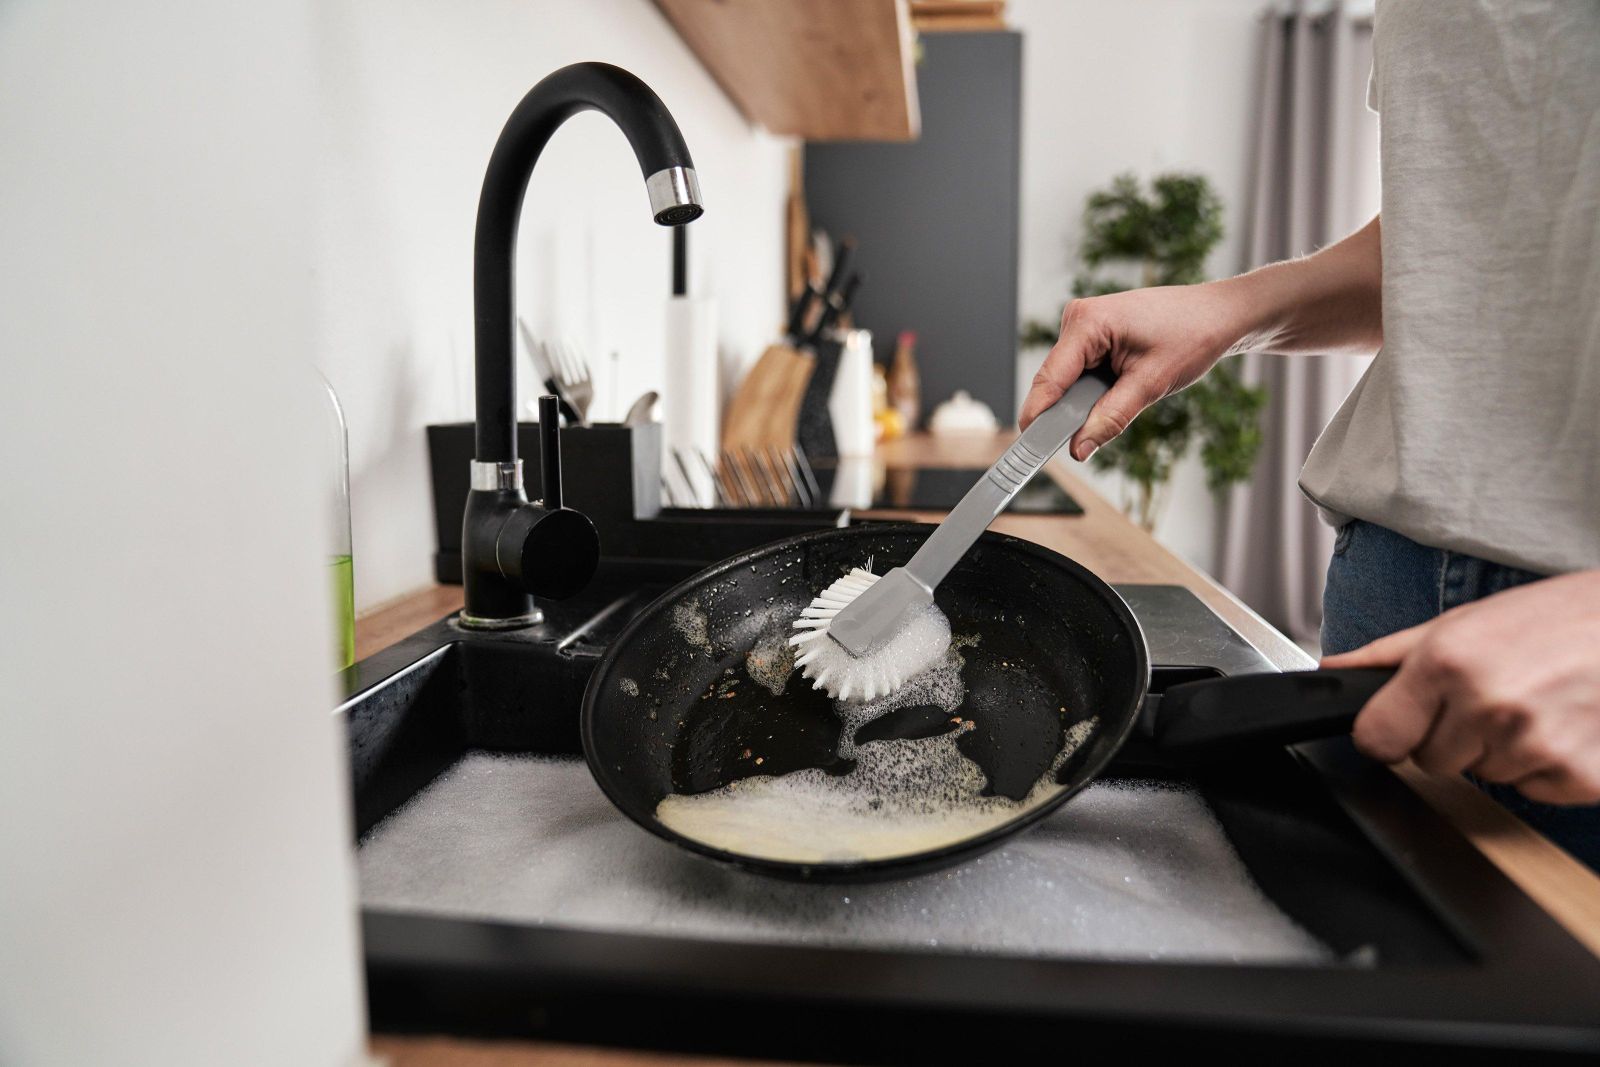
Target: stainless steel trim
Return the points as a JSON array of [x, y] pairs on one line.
[[391, 679], [516, 622], [496, 475], [674, 187]]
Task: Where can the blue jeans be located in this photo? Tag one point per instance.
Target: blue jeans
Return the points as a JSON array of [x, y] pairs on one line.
[[1380, 582]]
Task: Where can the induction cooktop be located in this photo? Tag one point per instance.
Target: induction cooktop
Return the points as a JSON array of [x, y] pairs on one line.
[[941, 488]]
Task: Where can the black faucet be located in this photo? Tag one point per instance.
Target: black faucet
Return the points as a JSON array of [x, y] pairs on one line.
[[513, 550]]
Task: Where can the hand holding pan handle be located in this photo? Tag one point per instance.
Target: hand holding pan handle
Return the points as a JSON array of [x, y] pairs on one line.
[[1222, 715]]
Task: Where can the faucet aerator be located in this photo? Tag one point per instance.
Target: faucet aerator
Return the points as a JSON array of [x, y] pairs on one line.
[[679, 215]]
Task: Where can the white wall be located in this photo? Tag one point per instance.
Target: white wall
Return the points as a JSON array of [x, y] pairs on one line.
[[175, 876], [1141, 85], [414, 95]]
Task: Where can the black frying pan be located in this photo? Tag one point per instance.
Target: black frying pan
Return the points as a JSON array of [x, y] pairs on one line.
[[672, 708]]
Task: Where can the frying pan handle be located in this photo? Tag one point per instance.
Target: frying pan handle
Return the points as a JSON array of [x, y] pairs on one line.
[[1222, 715]]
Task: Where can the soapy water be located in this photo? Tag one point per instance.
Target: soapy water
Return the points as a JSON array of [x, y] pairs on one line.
[[1127, 871], [901, 797]]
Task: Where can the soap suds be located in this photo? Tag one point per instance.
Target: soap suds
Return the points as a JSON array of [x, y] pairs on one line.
[[1127, 871], [692, 624], [770, 660]]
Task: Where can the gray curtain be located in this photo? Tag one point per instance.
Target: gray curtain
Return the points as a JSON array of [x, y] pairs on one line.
[[1314, 180]]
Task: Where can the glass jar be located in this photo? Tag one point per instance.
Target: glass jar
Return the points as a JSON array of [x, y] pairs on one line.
[[341, 570]]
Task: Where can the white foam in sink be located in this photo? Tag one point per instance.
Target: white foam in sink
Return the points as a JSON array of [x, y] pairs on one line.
[[1120, 872]]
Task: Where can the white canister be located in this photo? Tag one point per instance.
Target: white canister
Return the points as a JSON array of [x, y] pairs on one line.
[[850, 405]]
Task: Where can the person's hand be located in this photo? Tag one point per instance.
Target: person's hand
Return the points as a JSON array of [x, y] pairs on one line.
[[1158, 341], [1507, 688]]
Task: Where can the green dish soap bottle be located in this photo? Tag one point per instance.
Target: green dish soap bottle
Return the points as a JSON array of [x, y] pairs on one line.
[[341, 570]]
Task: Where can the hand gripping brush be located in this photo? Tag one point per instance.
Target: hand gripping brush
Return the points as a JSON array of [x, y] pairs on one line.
[[866, 634]]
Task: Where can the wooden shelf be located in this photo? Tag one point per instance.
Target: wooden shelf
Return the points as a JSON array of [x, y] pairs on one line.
[[822, 70], [958, 16]]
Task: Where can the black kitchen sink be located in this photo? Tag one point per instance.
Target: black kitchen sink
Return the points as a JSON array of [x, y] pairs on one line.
[[1431, 948]]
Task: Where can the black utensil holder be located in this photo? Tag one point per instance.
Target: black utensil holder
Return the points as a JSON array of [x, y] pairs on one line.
[[611, 473]]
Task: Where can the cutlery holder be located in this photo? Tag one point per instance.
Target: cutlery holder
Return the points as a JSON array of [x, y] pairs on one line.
[[611, 473]]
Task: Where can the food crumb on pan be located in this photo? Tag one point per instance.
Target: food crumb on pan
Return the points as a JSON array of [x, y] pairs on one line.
[[629, 686]]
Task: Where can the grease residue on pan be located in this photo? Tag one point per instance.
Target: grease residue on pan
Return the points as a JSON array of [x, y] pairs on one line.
[[901, 796]]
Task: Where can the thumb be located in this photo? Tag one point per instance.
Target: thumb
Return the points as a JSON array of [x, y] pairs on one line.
[[1112, 413], [1384, 652]]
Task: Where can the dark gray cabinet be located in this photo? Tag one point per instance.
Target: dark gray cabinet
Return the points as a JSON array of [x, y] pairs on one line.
[[936, 219]]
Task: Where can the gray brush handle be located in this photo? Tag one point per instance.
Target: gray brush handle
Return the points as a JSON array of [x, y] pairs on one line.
[[1013, 470]]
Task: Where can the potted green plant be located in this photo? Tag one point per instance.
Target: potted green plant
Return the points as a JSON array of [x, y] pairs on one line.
[[1161, 236]]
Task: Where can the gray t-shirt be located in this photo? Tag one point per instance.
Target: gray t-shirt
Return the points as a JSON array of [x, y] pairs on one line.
[[1477, 427]]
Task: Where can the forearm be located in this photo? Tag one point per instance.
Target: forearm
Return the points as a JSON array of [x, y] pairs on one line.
[[1162, 339], [1327, 302]]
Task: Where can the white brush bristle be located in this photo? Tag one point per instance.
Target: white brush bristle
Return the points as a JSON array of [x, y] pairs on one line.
[[832, 667]]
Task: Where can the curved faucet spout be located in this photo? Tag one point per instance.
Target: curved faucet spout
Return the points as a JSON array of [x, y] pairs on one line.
[[669, 179], [511, 549]]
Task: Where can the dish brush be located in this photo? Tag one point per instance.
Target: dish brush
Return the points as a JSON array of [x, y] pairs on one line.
[[866, 634]]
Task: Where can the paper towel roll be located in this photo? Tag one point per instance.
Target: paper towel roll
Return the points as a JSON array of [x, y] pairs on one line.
[[690, 394], [850, 405]]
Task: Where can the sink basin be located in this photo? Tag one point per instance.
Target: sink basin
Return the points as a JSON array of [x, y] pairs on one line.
[[418, 706], [1429, 946]]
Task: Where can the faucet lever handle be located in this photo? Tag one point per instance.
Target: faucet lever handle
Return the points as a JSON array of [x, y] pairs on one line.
[[550, 451]]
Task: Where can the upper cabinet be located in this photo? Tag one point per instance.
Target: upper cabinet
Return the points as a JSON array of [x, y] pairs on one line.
[[821, 70]]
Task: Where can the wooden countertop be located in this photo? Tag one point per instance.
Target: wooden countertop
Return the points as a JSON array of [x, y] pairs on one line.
[[1105, 540]]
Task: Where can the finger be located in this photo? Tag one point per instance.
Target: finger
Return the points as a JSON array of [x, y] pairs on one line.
[[1507, 757], [1523, 747], [1398, 717], [1080, 345], [1560, 786], [1454, 743], [1112, 413], [1386, 651], [1045, 390]]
